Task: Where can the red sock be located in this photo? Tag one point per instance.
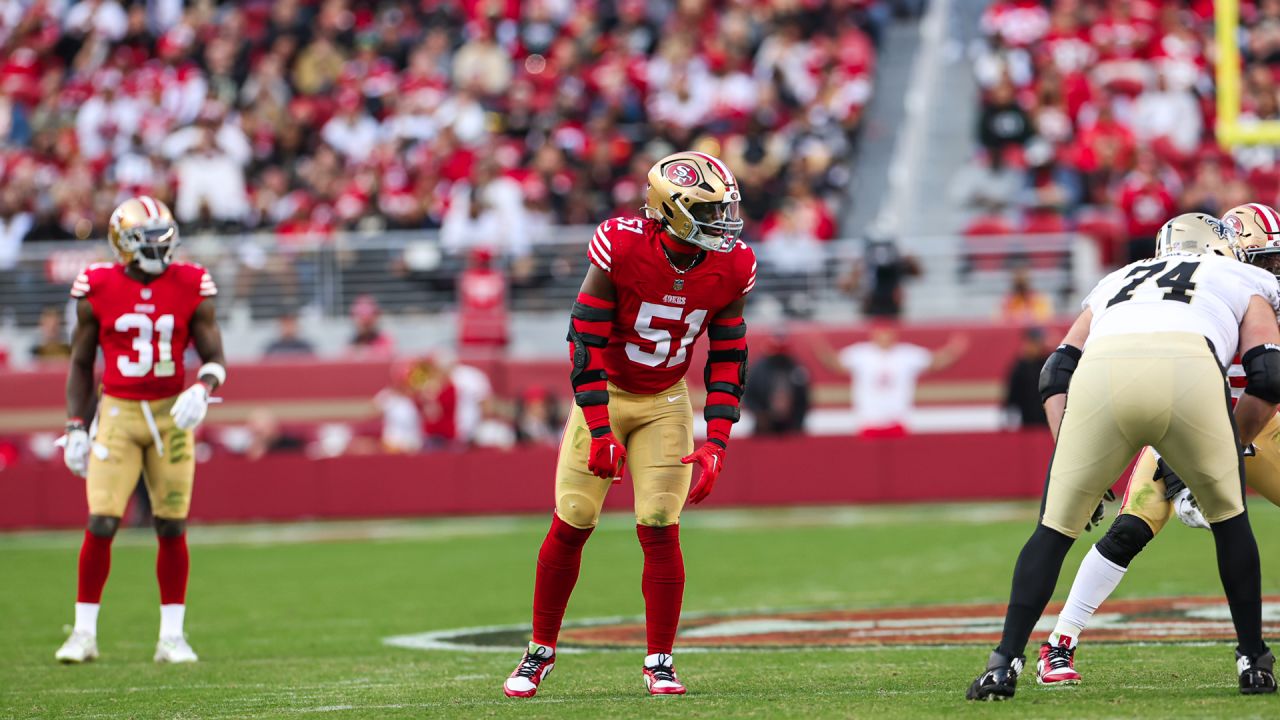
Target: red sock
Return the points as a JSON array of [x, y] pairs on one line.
[[662, 584], [558, 564], [95, 565], [173, 564]]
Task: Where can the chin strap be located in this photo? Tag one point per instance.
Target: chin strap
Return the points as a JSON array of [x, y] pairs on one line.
[[725, 377], [590, 324]]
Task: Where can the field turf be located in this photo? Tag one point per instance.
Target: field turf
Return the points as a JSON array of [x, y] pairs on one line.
[[289, 620]]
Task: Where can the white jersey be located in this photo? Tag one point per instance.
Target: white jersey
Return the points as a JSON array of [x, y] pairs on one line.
[[884, 380], [1203, 294]]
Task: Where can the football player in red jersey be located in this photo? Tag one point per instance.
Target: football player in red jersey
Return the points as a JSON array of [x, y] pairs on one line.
[[142, 312], [654, 285]]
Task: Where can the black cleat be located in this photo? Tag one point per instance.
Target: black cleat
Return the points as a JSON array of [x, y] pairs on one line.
[[1000, 680], [1256, 675]]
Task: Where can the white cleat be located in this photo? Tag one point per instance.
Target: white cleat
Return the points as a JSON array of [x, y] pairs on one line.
[[174, 650], [80, 647], [534, 667], [660, 675]]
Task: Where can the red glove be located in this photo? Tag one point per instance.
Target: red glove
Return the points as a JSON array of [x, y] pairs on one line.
[[710, 457], [606, 457]]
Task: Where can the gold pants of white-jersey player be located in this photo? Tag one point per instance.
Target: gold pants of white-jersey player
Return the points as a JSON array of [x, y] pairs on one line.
[[1164, 390], [1144, 497]]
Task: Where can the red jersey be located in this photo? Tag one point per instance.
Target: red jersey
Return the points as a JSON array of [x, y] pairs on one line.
[[1237, 379], [143, 328], [660, 312]]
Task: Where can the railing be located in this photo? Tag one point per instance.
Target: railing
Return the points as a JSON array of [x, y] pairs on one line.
[[411, 273]]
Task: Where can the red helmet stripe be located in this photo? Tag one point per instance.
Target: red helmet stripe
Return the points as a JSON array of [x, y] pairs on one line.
[[150, 206], [1270, 218], [719, 166]]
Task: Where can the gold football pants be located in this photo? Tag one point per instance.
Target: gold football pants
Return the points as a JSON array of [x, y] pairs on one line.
[[1165, 390], [656, 430], [140, 437], [1145, 497]]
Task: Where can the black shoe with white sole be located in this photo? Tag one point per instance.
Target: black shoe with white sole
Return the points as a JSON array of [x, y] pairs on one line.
[[1257, 676], [1000, 680]]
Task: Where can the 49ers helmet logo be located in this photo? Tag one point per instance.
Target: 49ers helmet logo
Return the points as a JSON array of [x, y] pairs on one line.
[[1234, 223], [682, 174]]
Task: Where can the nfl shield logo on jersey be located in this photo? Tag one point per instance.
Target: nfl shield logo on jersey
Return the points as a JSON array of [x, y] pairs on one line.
[[678, 284]]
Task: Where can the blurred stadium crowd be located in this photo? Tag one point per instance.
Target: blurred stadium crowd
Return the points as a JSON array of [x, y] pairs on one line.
[[482, 117], [1098, 116]]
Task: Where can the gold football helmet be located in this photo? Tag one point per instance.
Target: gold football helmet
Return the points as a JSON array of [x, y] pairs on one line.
[[695, 197], [1196, 233], [1257, 230], [143, 231]]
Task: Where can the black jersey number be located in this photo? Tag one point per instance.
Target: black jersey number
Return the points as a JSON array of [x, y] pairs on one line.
[[1178, 282]]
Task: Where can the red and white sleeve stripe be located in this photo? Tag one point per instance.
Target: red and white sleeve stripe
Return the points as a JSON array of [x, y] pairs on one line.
[[601, 251], [207, 288], [751, 281], [80, 288]]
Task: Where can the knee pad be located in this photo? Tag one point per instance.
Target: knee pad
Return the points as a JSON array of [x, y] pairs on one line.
[[659, 510], [577, 510], [103, 526], [1124, 539], [168, 528]]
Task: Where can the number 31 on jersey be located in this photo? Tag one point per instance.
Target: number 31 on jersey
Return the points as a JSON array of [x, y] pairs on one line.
[[147, 353]]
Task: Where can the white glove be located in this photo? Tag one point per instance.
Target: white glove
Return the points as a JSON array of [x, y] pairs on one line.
[[1184, 505], [75, 450], [190, 407]]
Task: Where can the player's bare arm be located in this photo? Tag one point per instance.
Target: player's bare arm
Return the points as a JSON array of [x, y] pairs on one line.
[[1056, 375], [947, 355], [84, 353], [80, 400], [1260, 356], [734, 310], [826, 355], [207, 337], [192, 405], [597, 284]]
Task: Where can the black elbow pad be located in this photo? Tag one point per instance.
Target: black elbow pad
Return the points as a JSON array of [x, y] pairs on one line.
[[1055, 376], [1262, 372]]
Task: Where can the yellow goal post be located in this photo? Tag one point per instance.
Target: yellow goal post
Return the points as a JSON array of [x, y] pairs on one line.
[[1230, 131]]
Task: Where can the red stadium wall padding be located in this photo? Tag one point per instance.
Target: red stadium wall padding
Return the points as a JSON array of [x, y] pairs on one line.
[[992, 349], [759, 472]]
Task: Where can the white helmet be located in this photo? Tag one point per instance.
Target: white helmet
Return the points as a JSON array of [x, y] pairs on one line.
[[1197, 234]]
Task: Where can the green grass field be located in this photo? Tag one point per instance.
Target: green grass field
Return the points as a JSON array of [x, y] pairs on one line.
[[289, 620]]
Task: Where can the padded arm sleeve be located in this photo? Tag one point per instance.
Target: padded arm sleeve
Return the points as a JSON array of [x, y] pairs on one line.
[[1262, 370], [1056, 374], [725, 376], [590, 324]]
